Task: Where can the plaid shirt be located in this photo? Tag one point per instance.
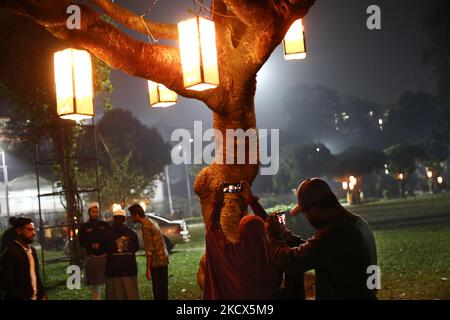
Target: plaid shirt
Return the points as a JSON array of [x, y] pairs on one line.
[[154, 244]]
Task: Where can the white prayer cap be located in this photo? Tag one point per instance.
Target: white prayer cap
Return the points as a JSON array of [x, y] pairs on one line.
[[92, 205], [119, 212]]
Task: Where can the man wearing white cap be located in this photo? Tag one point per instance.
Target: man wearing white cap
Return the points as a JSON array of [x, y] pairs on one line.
[[341, 250], [92, 237], [121, 266]]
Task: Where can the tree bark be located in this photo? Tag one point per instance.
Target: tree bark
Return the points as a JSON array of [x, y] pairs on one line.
[[240, 115], [247, 34]]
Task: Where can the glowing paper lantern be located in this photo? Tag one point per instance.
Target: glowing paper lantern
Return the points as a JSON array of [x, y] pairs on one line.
[[160, 95], [294, 44], [345, 185], [197, 39], [73, 79]]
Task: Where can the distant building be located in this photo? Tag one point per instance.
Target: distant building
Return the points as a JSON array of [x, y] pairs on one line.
[[23, 196]]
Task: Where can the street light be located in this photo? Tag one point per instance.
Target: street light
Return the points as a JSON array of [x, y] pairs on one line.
[[430, 180], [351, 186], [188, 183], [5, 179]]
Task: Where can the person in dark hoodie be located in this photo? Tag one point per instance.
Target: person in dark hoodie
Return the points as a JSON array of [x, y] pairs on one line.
[[242, 270], [341, 251], [92, 236], [121, 266], [20, 265], [9, 236]]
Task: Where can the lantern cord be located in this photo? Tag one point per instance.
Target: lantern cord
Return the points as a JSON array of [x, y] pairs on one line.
[[107, 149], [149, 34], [212, 11]]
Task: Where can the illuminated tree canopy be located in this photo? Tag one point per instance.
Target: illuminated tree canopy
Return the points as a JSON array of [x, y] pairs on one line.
[[247, 32]]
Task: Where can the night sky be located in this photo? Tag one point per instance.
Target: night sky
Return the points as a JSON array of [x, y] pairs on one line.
[[342, 55]]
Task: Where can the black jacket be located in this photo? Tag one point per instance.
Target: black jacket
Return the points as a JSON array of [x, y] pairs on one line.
[[94, 232], [340, 254], [15, 274], [121, 245], [8, 238]]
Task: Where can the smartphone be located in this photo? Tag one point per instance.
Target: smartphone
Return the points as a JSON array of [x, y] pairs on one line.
[[231, 187], [281, 215]]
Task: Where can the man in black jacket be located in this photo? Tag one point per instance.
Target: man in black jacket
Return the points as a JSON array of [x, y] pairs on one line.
[[92, 237], [342, 251], [121, 266], [20, 265]]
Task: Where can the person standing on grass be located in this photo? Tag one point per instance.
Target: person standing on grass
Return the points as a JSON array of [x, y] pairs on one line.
[[20, 265], [155, 251], [242, 270], [92, 237], [121, 266], [341, 250], [9, 236]]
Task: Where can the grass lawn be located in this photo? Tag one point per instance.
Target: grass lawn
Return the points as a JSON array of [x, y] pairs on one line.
[[414, 262], [182, 274]]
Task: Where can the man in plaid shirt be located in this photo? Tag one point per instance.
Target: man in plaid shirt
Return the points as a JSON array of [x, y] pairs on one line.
[[155, 251]]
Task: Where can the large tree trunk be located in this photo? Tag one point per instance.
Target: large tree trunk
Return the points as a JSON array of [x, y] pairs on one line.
[[64, 143], [240, 115]]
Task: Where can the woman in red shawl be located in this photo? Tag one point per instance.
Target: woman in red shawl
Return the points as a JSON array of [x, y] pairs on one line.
[[238, 271]]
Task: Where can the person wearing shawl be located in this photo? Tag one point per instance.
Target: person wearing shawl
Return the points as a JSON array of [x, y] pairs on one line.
[[242, 270]]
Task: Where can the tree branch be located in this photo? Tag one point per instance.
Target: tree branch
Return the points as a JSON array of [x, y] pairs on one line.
[[251, 12], [137, 23], [158, 63], [257, 44], [291, 10]]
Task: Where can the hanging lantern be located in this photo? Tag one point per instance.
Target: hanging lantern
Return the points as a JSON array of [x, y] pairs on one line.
[[197, 39], [73, 79], [160, 95], [294, 44]]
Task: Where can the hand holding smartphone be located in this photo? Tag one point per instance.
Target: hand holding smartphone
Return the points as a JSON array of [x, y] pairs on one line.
[[281, 215], [231, 187]]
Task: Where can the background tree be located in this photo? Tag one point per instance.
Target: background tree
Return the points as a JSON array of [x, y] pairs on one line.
[[298, 162], [124, 134], [122, 183], [402, 159], [358, 162], [417, 110], [318, 113], [247, 33], [437, 26], [131, 157], [310, 113]]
